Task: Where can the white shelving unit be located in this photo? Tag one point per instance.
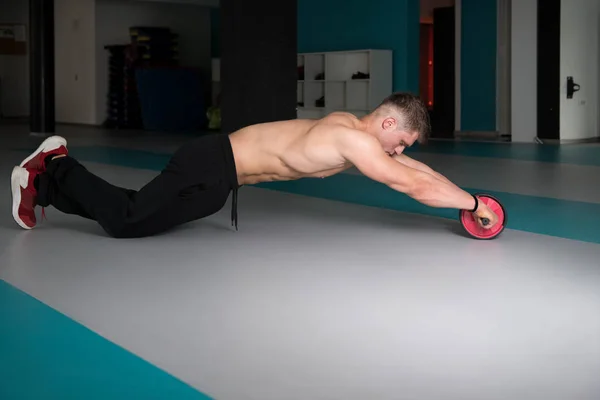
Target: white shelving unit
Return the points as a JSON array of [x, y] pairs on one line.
[[353, 81], [331, 77]]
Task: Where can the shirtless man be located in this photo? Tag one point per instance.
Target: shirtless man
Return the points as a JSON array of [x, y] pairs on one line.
[[199, 177]]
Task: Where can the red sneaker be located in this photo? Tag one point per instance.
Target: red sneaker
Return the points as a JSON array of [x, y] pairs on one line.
[[54, 145], [24, 197]]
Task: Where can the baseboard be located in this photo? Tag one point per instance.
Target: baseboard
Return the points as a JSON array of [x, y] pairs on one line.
[[570, 141], [481, 136], [79, 124], [4, 118], [477, 134]]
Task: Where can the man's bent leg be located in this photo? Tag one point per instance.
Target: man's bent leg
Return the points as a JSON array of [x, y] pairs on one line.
[[192, 203], [196, 183], [71, 188], [50, 195]]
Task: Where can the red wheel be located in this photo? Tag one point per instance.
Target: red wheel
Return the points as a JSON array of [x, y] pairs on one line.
[[472, 226]]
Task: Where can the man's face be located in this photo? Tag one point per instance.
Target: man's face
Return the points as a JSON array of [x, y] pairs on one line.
[[393, 139], [395, 142]]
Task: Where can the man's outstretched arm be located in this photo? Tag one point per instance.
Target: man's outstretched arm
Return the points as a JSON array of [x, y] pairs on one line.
[[366, 154], [412, 163]]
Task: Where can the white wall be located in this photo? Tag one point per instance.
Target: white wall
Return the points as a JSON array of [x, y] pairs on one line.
[[14, 70], [82, 27], [75, 87], [75, 33], [579, 41], [115, 17], [524, 70]]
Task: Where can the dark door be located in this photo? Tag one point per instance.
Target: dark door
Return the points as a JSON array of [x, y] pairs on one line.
[[442, 115], [548, 69]]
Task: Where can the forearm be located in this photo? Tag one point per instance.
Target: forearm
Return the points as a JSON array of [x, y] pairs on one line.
[[412, 163], [437, 175], [440, 176], [364, 152], [435, 192]]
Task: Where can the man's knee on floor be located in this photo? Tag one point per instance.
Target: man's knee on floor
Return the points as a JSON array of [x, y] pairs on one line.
[[132, 231], [117, 231]]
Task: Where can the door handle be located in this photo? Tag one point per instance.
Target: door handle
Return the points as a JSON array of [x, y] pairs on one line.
[[572, 87]]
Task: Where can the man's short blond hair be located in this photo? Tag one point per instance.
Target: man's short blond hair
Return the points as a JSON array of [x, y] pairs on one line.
[[412, 113]]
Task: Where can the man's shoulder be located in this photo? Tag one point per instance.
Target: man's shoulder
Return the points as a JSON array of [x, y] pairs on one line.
[[340, 118], [345, 114], [351, 138]]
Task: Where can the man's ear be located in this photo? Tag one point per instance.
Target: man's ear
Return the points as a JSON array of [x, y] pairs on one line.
[[389, 124]]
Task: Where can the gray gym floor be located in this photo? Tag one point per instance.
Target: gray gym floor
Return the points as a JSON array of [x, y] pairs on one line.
[[320, 299]]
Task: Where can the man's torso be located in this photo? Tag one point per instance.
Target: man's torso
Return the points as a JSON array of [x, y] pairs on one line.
[[288, 150]]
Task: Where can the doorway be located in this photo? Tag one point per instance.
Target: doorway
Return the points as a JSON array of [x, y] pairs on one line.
[[440, 68], [437, 65]]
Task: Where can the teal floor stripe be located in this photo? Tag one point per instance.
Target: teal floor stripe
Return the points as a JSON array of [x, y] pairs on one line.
[[555, 217], [548, 216], [580, 154], [46, 355]]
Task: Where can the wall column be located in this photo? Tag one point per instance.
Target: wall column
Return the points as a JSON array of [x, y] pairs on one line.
[[258, 62], [41, 39]]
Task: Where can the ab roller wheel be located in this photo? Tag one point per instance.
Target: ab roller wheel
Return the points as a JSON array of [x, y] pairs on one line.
[[471, 222]]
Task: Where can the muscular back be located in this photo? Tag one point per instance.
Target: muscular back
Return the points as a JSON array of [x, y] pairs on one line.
[[287, 150]]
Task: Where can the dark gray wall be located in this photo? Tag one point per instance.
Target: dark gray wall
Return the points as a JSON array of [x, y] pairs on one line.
[[258, 62]]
